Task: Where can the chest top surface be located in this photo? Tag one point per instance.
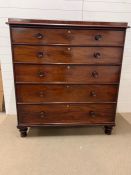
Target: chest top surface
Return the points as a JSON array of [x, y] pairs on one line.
[[90, 24]]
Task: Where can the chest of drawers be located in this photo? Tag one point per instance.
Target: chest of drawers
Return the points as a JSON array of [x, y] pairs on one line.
[[66, 73]]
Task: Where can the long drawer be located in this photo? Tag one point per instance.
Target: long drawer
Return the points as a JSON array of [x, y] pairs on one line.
[[67, 73], [66, 93], [64, 54], [66, 114], [67, 36]]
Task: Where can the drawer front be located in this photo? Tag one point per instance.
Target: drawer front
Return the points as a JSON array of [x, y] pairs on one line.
[[66, 93], [69, 113], [65, 36], [57, 54], [67, 73]]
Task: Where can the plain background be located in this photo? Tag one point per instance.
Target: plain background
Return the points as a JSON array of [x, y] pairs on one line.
[[85, 10]]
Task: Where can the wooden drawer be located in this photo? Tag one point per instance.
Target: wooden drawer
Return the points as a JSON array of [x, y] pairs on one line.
[[66, 114], [65, 36], [58, 54], [67, 73], [66, 93]]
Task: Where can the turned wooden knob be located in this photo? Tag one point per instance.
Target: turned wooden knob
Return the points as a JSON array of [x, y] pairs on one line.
[[98, 37], [92, 114], [97, 55], [41, 74], [39, 36], [93, 94], [42, 114], [40, 54], [41, 94], [95, 74]]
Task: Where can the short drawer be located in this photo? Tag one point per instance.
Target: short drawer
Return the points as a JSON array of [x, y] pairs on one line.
[[67, 36], [67, 73], [66, 114], [66, 93], [62, 54]]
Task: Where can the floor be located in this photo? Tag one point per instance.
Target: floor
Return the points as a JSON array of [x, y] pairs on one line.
[[79, 151]]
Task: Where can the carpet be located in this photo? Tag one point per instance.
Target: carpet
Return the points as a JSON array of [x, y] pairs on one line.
[[67, 151]]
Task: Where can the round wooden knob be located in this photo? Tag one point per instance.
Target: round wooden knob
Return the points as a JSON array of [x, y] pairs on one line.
[[39, 36], [42, 114], [40, 54], [97, 55], [41, 74], [98, 37], [95, 74], [41, 94], [92, 114], [93, 94]]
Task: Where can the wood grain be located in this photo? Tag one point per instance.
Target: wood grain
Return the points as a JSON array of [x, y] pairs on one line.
[[65, 36], [76, 55], [66, 93], [47, 114], [67, 73]]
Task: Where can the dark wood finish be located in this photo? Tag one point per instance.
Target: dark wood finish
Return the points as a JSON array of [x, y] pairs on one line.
[[69, 55], [23, 131], [66, 113], [108, 130], [66, 73], [59, 23], [65, 36], [66, 93]]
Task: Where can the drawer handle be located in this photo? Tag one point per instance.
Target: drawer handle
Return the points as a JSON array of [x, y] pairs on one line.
[[97, 55], [40, 54], [41, 74], [93, 94], [98, 37], [92, 114], [42, 114], [39, 36], [95, 74], [41, 94]]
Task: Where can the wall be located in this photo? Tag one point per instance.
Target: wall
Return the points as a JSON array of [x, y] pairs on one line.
[[93, 10]]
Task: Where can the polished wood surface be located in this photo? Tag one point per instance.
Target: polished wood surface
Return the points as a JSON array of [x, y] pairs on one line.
[[66, 73], [71, 55], [65, 36], [66, 113], [66, 93], [59, 23]]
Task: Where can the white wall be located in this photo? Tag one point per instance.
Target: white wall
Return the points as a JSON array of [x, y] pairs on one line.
[[92, 10]]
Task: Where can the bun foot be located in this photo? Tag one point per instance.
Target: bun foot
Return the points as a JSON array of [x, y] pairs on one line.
[[108, 130], [23, 131]]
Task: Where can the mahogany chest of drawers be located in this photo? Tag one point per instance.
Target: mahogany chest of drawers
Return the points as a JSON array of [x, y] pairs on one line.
[[66, 73]]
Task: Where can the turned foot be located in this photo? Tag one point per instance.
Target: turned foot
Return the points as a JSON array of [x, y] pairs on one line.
[[108, 130], [23, 131]]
